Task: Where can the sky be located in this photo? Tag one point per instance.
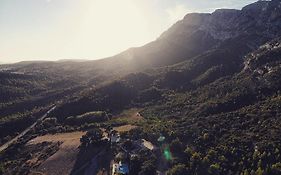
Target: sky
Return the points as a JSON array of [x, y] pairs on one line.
[[89, 29]]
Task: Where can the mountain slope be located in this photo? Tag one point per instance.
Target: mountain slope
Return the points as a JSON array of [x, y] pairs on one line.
[[210, 84], [194, 52], [233, 123], [198, 33], [243, 30]]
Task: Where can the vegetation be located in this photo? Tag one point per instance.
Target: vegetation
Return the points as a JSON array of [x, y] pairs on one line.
[[216, 103], [90, 117], [93, 136]]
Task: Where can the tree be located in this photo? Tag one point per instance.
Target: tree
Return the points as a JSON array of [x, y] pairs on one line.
[[276, 168], [135, 165], [176, 146], [259, 171], [214, 169], [188, 152], [1, 169], [93, 136], [178, 170], [128, 145], [245, 172], [84, 140], [148, 168]]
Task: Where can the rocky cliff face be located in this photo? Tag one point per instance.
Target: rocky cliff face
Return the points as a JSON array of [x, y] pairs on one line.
[[260, 19], [236, 31], [266, 60]]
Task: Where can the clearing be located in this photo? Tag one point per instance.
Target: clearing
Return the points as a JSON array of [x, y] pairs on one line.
[[132, 114], [124, 128], [62, 162]]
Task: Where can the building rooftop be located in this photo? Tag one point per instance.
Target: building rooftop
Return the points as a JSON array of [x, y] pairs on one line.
[[120, 168], [148, 145]]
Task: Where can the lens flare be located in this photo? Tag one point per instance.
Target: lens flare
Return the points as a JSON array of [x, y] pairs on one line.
[[167, 154]]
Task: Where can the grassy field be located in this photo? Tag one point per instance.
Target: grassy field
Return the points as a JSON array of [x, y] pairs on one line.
[[124, 128], [129, 116]]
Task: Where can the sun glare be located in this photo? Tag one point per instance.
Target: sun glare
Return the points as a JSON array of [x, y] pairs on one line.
[[109, 27], [85, 29]]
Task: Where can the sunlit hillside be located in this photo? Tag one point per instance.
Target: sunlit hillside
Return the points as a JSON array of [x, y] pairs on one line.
[[141, 88]]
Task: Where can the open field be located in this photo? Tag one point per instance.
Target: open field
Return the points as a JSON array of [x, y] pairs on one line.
[[132, 114], [124, 128], [129, 116], [63, 160]]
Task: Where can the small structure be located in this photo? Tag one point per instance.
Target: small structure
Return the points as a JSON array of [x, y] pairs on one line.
[[144, 145], [161, 139], [148, 145], [120, 169], [114, 137]]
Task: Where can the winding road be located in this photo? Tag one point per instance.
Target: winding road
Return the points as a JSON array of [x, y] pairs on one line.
[[9, 143]]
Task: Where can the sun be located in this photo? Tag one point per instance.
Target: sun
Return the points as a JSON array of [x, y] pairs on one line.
[[110, 26], [72, 29]]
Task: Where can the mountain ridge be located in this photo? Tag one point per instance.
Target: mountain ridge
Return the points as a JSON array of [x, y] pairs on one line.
[[198, 33], [210, 85]]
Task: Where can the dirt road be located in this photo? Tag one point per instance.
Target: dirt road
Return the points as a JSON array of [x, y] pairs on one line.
[[9, 143]]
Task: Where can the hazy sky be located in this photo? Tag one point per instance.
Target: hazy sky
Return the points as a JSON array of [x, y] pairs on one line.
[[89, 29]]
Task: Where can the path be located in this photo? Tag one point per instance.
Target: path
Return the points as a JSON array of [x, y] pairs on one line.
[[9, 143]]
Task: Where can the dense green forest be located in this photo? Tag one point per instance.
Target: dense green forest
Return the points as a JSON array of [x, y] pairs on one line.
[[228, 125]]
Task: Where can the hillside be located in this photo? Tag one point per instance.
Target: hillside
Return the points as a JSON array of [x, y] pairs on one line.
[[243, 30], [210, 85]]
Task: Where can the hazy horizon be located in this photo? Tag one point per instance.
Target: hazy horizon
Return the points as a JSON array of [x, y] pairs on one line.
[[89, 29], [204, 98]]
